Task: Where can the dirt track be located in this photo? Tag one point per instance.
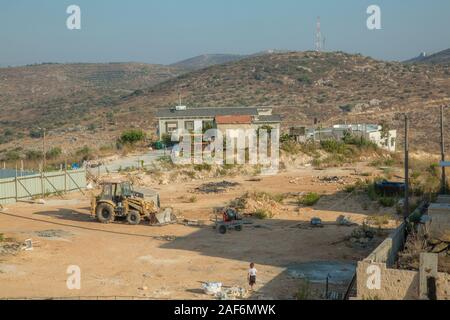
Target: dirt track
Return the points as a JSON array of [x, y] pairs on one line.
[[171, 262]]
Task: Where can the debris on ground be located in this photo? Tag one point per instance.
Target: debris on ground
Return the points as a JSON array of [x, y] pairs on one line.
[[53, 234], [194, 223], [216, 187], [218, 291], [332, 180], [345, 221], [166, 238], [416, 244], [212, 288], [9, 247], [361, 236], [258, 203], [232, 293]]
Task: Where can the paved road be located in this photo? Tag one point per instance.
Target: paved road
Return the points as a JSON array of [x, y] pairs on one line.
[[130, 161]]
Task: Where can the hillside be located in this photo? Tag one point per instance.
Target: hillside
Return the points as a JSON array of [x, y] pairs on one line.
[[442, 57], [79, 102], [306, 85], [54, 95], [206, 60]]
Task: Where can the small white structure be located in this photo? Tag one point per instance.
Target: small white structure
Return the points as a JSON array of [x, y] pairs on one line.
[[384, 139]]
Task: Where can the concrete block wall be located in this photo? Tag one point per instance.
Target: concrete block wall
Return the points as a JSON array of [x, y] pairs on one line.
[[394, 284]]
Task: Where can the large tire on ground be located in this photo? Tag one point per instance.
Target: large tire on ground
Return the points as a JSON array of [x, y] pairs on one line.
[[105, 213], [134, 217], [222, 229]]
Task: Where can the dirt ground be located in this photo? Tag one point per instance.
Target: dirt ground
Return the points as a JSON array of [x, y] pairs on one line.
[[172, 262]]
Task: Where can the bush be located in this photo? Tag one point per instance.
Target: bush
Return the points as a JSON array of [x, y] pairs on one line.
[[310, 199], [36, 134], [33, 155], [263, 214], [132, 136], [53, 153], [12, 155], [202, 167], [85, 153], [387, 202], [304, 79]]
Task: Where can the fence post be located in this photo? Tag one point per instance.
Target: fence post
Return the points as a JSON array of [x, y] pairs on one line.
[[42, 181], [65, 176], [15, 183]]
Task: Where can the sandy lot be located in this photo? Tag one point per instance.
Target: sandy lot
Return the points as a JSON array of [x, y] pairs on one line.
[[171, 262]]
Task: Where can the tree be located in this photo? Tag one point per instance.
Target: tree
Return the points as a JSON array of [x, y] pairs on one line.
[[132, 136]]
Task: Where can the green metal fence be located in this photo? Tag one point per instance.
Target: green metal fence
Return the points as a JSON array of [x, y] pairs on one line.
[[41, 184]]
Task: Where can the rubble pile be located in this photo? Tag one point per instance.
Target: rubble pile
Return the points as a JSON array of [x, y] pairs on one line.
[[251, 202], [361, 236], [416, 244], [216, 187]]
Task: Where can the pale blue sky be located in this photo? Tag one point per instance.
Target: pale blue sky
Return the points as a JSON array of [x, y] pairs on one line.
[[165, 31]]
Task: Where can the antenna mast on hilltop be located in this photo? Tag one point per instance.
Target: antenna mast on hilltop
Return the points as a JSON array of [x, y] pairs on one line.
[[320, 40]]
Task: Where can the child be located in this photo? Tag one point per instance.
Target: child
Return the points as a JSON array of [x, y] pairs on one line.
[[252, 275]]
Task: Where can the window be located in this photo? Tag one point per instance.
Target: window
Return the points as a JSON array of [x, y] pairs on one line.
[[189, 125], [171, 126]]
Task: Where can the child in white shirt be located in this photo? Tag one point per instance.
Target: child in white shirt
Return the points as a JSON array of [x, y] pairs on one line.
[[252, 275]]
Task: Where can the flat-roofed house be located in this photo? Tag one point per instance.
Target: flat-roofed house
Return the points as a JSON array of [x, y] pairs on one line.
[[197, 120]]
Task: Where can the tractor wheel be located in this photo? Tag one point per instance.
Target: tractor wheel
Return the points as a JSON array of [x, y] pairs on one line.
[[222, 229], [238, 228], [133, 218], [105, 213]]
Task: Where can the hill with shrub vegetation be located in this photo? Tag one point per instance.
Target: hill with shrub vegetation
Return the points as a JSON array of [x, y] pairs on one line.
[[93, 104]]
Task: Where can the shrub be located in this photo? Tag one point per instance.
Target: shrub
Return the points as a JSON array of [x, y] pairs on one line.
[[202, 167], [310, 199], [85, 153], [33, 155], [132, 136], [193, 199], [36, 134], [304, 79], [304, 292], [263, 214], [53, 153], [12, 155], [387, 201]]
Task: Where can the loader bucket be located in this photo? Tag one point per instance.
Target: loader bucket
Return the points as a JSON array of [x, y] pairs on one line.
[[165, 216]]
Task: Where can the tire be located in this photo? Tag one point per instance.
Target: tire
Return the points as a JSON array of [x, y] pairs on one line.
[[133, 218], [238, 228], [105, 213], [222, 229]]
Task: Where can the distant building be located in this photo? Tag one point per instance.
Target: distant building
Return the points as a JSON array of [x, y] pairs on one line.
[[200, 119], [371, 132]]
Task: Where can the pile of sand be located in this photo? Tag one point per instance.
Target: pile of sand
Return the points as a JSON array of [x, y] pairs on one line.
[[252, 202]]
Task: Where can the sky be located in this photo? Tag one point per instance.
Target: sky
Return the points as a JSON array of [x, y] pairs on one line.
[[166, 31]]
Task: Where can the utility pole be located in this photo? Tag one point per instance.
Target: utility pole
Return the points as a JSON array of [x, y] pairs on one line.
[[444, 182], [44, 163], [406, 204]]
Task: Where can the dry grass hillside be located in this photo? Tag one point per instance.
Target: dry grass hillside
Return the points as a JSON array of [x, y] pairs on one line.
[[331, 87], [91, 104], [55, 95]]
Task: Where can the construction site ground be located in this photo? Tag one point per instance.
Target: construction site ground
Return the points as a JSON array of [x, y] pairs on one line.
[[172, 262]]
